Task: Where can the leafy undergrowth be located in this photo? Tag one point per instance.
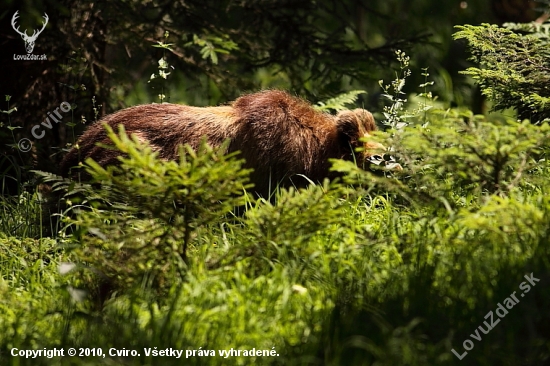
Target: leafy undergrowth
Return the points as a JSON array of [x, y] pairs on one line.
[[373, 270]]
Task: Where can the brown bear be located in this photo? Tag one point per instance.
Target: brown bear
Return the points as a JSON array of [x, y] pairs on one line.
[[282, 137]]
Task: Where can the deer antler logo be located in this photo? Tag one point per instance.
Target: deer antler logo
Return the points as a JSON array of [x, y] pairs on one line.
[[29, 41]]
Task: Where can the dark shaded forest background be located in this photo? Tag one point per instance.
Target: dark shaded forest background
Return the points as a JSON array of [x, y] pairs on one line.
[[101, 56]]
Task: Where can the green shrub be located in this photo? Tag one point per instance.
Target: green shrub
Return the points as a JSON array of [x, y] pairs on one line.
[[146, 214], [513, 67]]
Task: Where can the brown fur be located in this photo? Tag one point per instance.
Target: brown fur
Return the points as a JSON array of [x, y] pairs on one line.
[[277, 134]]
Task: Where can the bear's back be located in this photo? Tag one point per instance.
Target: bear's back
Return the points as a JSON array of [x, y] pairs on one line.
[[281, 136]]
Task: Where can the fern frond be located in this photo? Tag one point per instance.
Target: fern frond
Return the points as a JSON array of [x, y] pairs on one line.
[[339, 102]]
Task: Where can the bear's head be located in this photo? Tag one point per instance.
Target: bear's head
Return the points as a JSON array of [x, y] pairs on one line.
[[354, 128]]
